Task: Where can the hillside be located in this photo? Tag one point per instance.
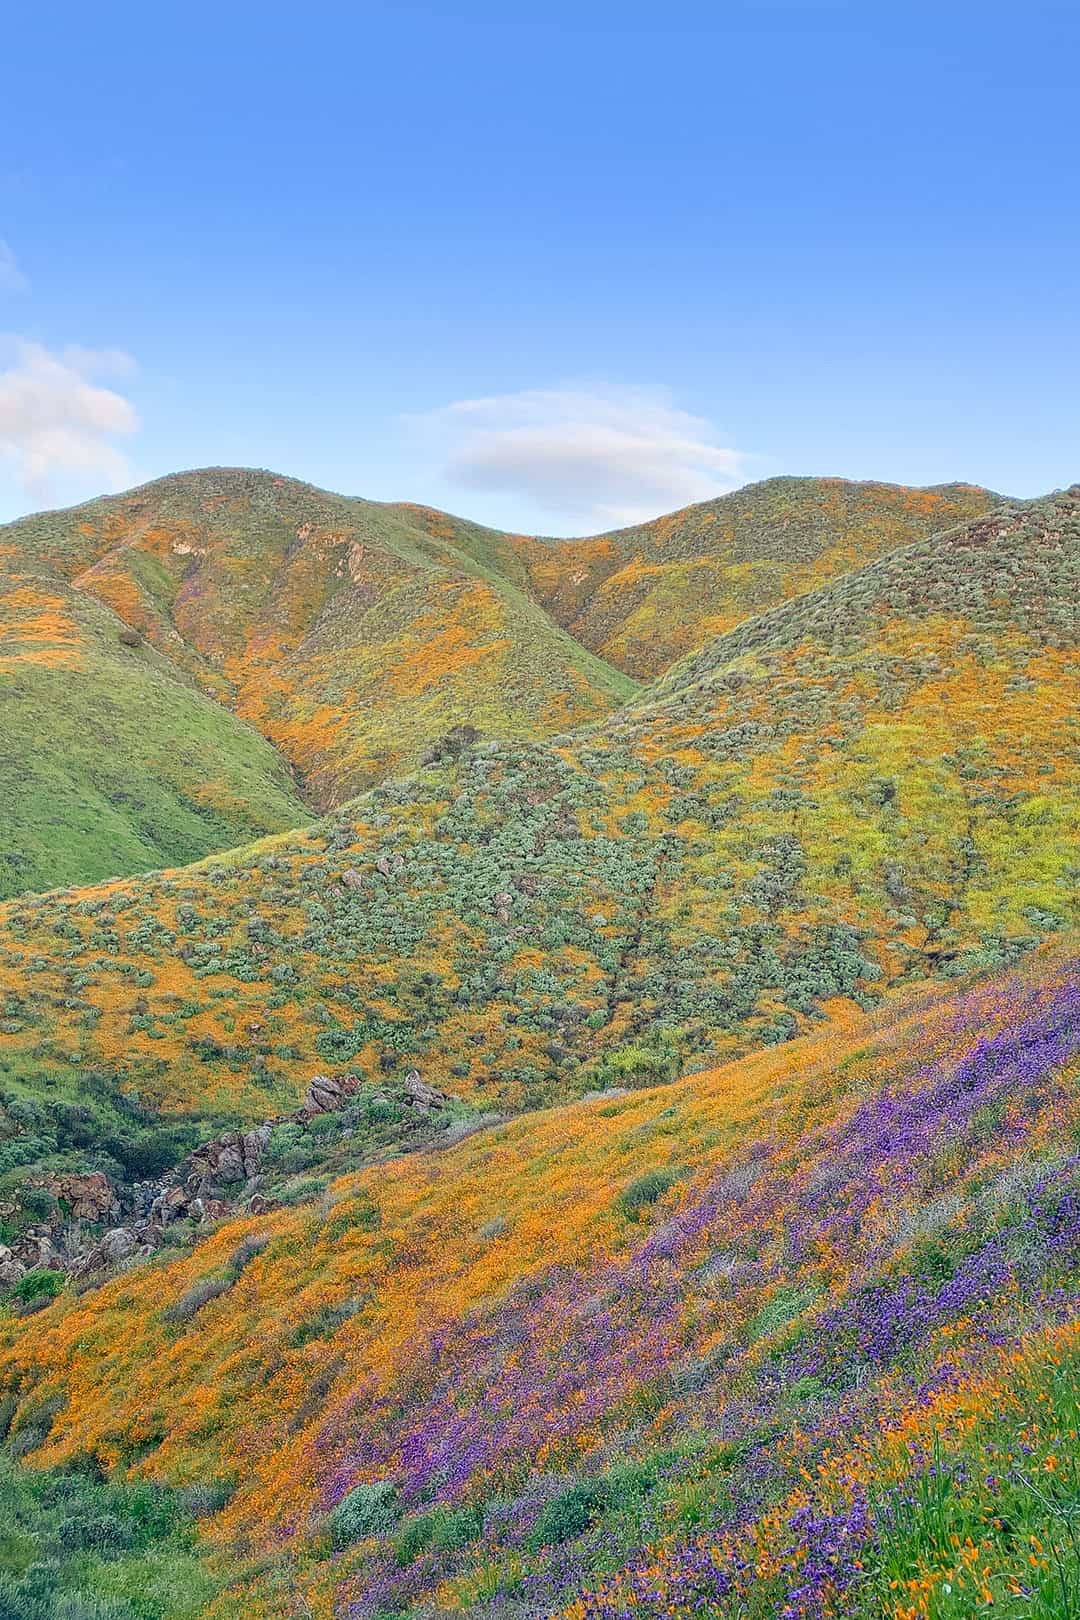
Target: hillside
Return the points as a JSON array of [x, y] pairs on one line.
[[351, 640], [355, 636], [110, 762], [627, 1172], [797, 817], [795, 1337], [642, 597]]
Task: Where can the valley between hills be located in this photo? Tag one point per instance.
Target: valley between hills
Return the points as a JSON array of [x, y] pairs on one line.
[[540, 1078]]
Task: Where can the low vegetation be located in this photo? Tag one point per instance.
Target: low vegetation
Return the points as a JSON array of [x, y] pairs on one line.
[[647, 1150]]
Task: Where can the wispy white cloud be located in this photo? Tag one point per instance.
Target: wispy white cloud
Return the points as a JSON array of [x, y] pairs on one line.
[[57, 421], [11, 277], [593, 456]]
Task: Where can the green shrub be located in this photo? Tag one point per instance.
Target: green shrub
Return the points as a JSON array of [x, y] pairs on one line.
[[38, 1284], [569, 1515], [444, 1529], [367, 1510], [636, 1066], [645, 1191], [38, 1203]]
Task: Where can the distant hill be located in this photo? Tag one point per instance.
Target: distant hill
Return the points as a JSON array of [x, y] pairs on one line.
[[351, 640], [355, 636], [641, 597]]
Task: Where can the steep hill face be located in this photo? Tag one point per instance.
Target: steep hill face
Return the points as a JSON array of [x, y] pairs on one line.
[[798, 1336], [110, 760], [801, 814], [642, 597], [347, 636]]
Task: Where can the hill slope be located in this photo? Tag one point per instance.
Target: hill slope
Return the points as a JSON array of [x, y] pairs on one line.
[[355, 636], [794, 1337], [108, 761], [349, 637], [641, 597], [797, 817]]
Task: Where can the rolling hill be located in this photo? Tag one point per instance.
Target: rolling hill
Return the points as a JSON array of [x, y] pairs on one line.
[[351, 638], [874, 783], [644, 596], [354, 636]]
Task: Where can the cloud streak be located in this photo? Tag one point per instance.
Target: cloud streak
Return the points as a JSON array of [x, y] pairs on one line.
[[592, 456], [11, 277], [57, 421]]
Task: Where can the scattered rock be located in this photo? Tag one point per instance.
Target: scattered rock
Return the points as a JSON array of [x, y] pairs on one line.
[[259, 1204], [418, 1094], [36, 1250], [325, 1094], [119, 1244], [91, 1197], [12, 1270]]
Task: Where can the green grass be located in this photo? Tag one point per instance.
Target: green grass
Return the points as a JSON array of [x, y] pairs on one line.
[[75, 1548], [120, 765]]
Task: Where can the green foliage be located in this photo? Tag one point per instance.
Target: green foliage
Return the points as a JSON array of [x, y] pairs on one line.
[[38, 1284], [367, 1510], [644, 1191], [165, 790], [442, 1529], [568, 1515], [73, 1547]]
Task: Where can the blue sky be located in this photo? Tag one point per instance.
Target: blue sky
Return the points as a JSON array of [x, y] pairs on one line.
[[552, 266]]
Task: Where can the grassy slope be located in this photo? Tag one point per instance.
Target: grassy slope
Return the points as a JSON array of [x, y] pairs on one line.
[[642, 597], [798, 1336], [348, 636], [354, 635], [108, 761], [800, 817]]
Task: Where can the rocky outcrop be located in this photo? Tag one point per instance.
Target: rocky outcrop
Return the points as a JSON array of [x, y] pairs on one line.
[[215, 1181], [91, 1197], [12, 1269], [325, 1094], [36, 1250], [227, 1161], [419, 1095]]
